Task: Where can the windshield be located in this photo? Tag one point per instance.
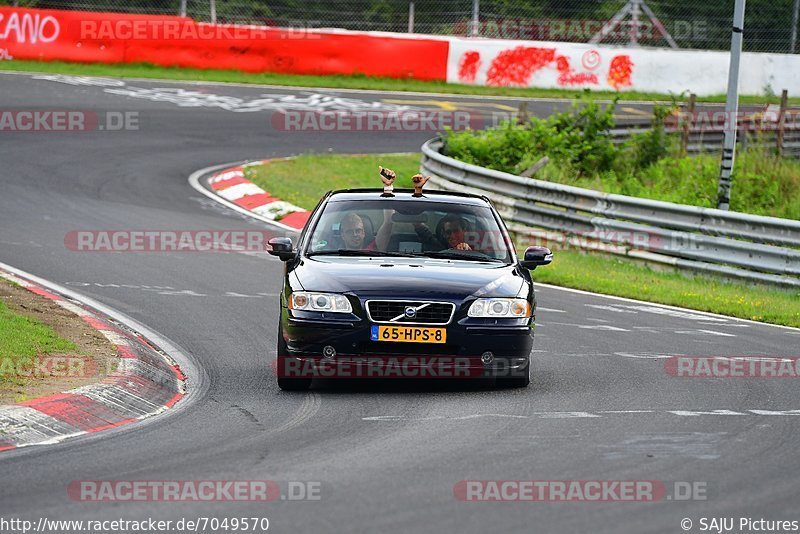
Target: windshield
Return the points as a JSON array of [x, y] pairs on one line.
[[408, 228]]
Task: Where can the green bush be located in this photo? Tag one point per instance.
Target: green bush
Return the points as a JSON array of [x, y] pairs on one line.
[[651, 146], [648, 165], [578, 138]]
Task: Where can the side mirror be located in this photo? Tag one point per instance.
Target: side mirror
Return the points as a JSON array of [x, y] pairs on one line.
[[536, 256], [281, 247]]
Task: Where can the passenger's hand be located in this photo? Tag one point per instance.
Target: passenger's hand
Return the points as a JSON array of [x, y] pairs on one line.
[[387, 175], [419, 181]]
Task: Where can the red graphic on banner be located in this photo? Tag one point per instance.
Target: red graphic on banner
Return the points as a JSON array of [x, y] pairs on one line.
[[468, 66], [591, 59], [620, 71], [567, 76], [516, 66]]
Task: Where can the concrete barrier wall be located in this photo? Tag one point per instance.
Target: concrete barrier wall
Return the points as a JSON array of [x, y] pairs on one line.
[[175, 41], [571, 65]]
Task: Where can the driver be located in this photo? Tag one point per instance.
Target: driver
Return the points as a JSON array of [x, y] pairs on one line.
[[451, 230], [351, 230], [450, 233]]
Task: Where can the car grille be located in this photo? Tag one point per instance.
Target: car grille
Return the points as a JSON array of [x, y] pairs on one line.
[[429, 313]]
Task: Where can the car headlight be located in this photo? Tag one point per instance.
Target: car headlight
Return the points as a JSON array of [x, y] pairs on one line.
[[324, 302], [497, 308]]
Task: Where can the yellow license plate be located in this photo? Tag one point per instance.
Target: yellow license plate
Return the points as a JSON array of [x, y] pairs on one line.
[[408, 334]]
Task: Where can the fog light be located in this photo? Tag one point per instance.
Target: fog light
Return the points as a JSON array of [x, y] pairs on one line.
[[487, 358], [328, 352]]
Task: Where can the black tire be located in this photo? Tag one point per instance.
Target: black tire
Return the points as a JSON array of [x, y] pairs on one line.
[[288, 384], [515, 381], [294, 384]]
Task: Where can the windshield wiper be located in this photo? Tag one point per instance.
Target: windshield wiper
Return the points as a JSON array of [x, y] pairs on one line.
[[466, 255], [364, 253], [455, 254]]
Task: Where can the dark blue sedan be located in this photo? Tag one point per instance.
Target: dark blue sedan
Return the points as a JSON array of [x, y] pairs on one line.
[[404, 285]]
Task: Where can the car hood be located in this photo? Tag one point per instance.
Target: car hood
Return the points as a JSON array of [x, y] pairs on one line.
[[409, 278]]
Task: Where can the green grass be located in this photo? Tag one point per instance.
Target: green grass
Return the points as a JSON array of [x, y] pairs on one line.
[[305, 179], [24, 337], [612, 276], [140, 70], [763, 183]]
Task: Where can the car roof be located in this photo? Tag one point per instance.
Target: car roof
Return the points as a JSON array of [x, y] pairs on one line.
[[406, 195]]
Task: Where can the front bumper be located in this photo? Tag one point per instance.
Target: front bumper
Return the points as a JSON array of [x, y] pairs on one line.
[[308, 341]]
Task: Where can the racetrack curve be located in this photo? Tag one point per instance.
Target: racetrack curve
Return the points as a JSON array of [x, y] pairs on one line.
[[600, 406]]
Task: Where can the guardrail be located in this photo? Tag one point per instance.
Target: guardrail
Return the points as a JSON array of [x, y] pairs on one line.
[[735, 244], [775, 127], [709, 139]]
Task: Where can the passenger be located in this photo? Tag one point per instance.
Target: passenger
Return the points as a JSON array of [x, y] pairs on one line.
[[431, 241], [450, 233], [351, 231]]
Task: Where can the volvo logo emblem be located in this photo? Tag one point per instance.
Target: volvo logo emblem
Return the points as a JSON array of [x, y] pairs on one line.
[[410, 312]]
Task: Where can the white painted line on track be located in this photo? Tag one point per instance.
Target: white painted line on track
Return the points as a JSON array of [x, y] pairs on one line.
[[594, 327], [674, 313], [588, 415], [364, 91], [626, 411], [610, 308], [701, 331], [644, 356]]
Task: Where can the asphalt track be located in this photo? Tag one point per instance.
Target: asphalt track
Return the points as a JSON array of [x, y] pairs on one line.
[[600, 406]]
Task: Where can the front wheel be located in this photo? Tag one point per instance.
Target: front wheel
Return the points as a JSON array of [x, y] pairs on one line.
[[294, 384], [285, 383], [519, 381]]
